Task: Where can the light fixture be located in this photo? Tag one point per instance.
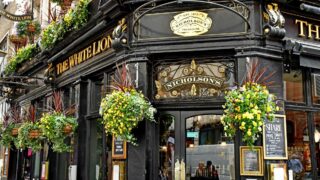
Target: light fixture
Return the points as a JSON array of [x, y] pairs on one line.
[[316, 136], [286, 67]]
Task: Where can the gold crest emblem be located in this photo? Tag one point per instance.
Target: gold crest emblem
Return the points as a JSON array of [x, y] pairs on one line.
[[191, 23]]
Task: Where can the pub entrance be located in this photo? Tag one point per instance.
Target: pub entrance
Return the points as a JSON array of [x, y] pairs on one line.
[[193, 145]]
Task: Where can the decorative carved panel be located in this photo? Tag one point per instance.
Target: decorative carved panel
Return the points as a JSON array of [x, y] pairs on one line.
[[193, 79]]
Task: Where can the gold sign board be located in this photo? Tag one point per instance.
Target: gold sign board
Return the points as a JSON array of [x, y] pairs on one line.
[[95, 48], [191, 23], [308, 30], [193, 80]]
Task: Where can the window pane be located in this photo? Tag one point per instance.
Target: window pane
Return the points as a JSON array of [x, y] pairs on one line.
[[315, 79], [209, 154], [167, 147], [317, 139], [298, 145], [293, 90]]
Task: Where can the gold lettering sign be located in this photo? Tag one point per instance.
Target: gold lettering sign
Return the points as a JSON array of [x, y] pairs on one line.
[[14, 17], [193, 80], [191, 23], [92, 50], [308, 30], [95, 48]]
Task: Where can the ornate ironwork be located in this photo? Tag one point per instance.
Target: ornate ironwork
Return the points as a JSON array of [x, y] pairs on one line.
[[234, 6], [16, 85]]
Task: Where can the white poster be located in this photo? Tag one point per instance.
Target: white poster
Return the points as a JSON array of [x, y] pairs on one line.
[[278, 174], [116, 172]]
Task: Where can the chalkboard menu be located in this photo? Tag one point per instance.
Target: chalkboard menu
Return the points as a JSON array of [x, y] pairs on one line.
[[119, 148], [275, 138]]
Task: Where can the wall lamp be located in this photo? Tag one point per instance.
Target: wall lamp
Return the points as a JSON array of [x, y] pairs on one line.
[[119, 39], [274, 31]]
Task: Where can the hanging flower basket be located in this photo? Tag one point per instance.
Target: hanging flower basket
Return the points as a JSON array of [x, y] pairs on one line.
[[56, 127], [14, 131], [31, 28], [246, 108], [66, 3], [123, 110], [18, 39], [7, 136], [29, 136], [67, 129], [34, 134]]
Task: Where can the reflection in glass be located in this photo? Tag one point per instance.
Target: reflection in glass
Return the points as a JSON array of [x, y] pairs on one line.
[[167, 147], [298, 145], [209, 153], [317, 140], [293, 90], [315, 88]]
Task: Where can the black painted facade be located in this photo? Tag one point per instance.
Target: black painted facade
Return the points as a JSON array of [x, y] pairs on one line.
[[89, 80]]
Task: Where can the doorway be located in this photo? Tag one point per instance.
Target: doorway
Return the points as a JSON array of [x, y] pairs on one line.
[[193, 145]]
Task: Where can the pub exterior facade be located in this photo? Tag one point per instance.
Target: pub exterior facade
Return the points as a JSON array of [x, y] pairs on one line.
[[183, 55]]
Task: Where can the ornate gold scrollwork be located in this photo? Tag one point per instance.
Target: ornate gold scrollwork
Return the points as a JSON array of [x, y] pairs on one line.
[[191, 80]]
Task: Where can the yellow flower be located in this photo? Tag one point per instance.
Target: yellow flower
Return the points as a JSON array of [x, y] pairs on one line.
[[254, 124], [237, 108], [247, 115], [258, 116], [249, 132], [268, 109], [277, 108], [243, 123]]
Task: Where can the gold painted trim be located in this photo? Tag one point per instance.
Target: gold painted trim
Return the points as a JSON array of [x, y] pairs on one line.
[[272, 166], [122, 156], [285, 140], [259, 149]]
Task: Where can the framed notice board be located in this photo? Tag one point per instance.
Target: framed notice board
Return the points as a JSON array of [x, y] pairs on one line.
[[251, 162], [119, 148], [275, 138]]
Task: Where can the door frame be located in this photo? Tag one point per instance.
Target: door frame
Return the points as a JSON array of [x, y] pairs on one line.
[[180, 129]]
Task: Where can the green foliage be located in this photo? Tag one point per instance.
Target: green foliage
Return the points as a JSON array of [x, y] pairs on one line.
[[52, 127], [22, 28], [74, 19], [24, 141], [247, 108], [22, 55], [6, 135], [123, 110]]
